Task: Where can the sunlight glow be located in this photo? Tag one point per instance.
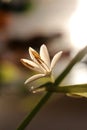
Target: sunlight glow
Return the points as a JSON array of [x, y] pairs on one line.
[[80, 74], [78, 25]]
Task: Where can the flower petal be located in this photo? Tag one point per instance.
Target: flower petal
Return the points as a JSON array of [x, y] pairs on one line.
[[55, 59], [45, 55], [37, 59], [31, 65], [35, 77], [34, 54]]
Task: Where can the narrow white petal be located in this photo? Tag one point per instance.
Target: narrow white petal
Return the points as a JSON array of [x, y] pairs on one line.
[[55, 59], [45, 55], [37, 59], [31, 65], [35, 77], [33, 54]]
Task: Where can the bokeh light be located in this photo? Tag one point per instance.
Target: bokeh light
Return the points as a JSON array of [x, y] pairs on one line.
[[78, 25]]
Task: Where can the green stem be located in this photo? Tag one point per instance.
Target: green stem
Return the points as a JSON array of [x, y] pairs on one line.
[[76, 59], [44, 99], [78, 88], [29, 117]]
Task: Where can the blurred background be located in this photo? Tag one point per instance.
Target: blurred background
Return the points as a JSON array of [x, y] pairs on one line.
[[61, 25]]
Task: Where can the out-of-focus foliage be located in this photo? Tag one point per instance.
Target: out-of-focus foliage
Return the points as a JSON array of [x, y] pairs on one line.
[[16, 5]]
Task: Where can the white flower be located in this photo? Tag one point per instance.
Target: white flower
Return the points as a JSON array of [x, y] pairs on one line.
[[40, 63]]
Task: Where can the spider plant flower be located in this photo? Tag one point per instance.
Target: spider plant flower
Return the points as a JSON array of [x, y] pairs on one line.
[[40, 63]]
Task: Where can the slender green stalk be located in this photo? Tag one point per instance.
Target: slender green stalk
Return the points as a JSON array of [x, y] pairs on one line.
[[29, 117], [44, 99], [78, 88], [76, 59]]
